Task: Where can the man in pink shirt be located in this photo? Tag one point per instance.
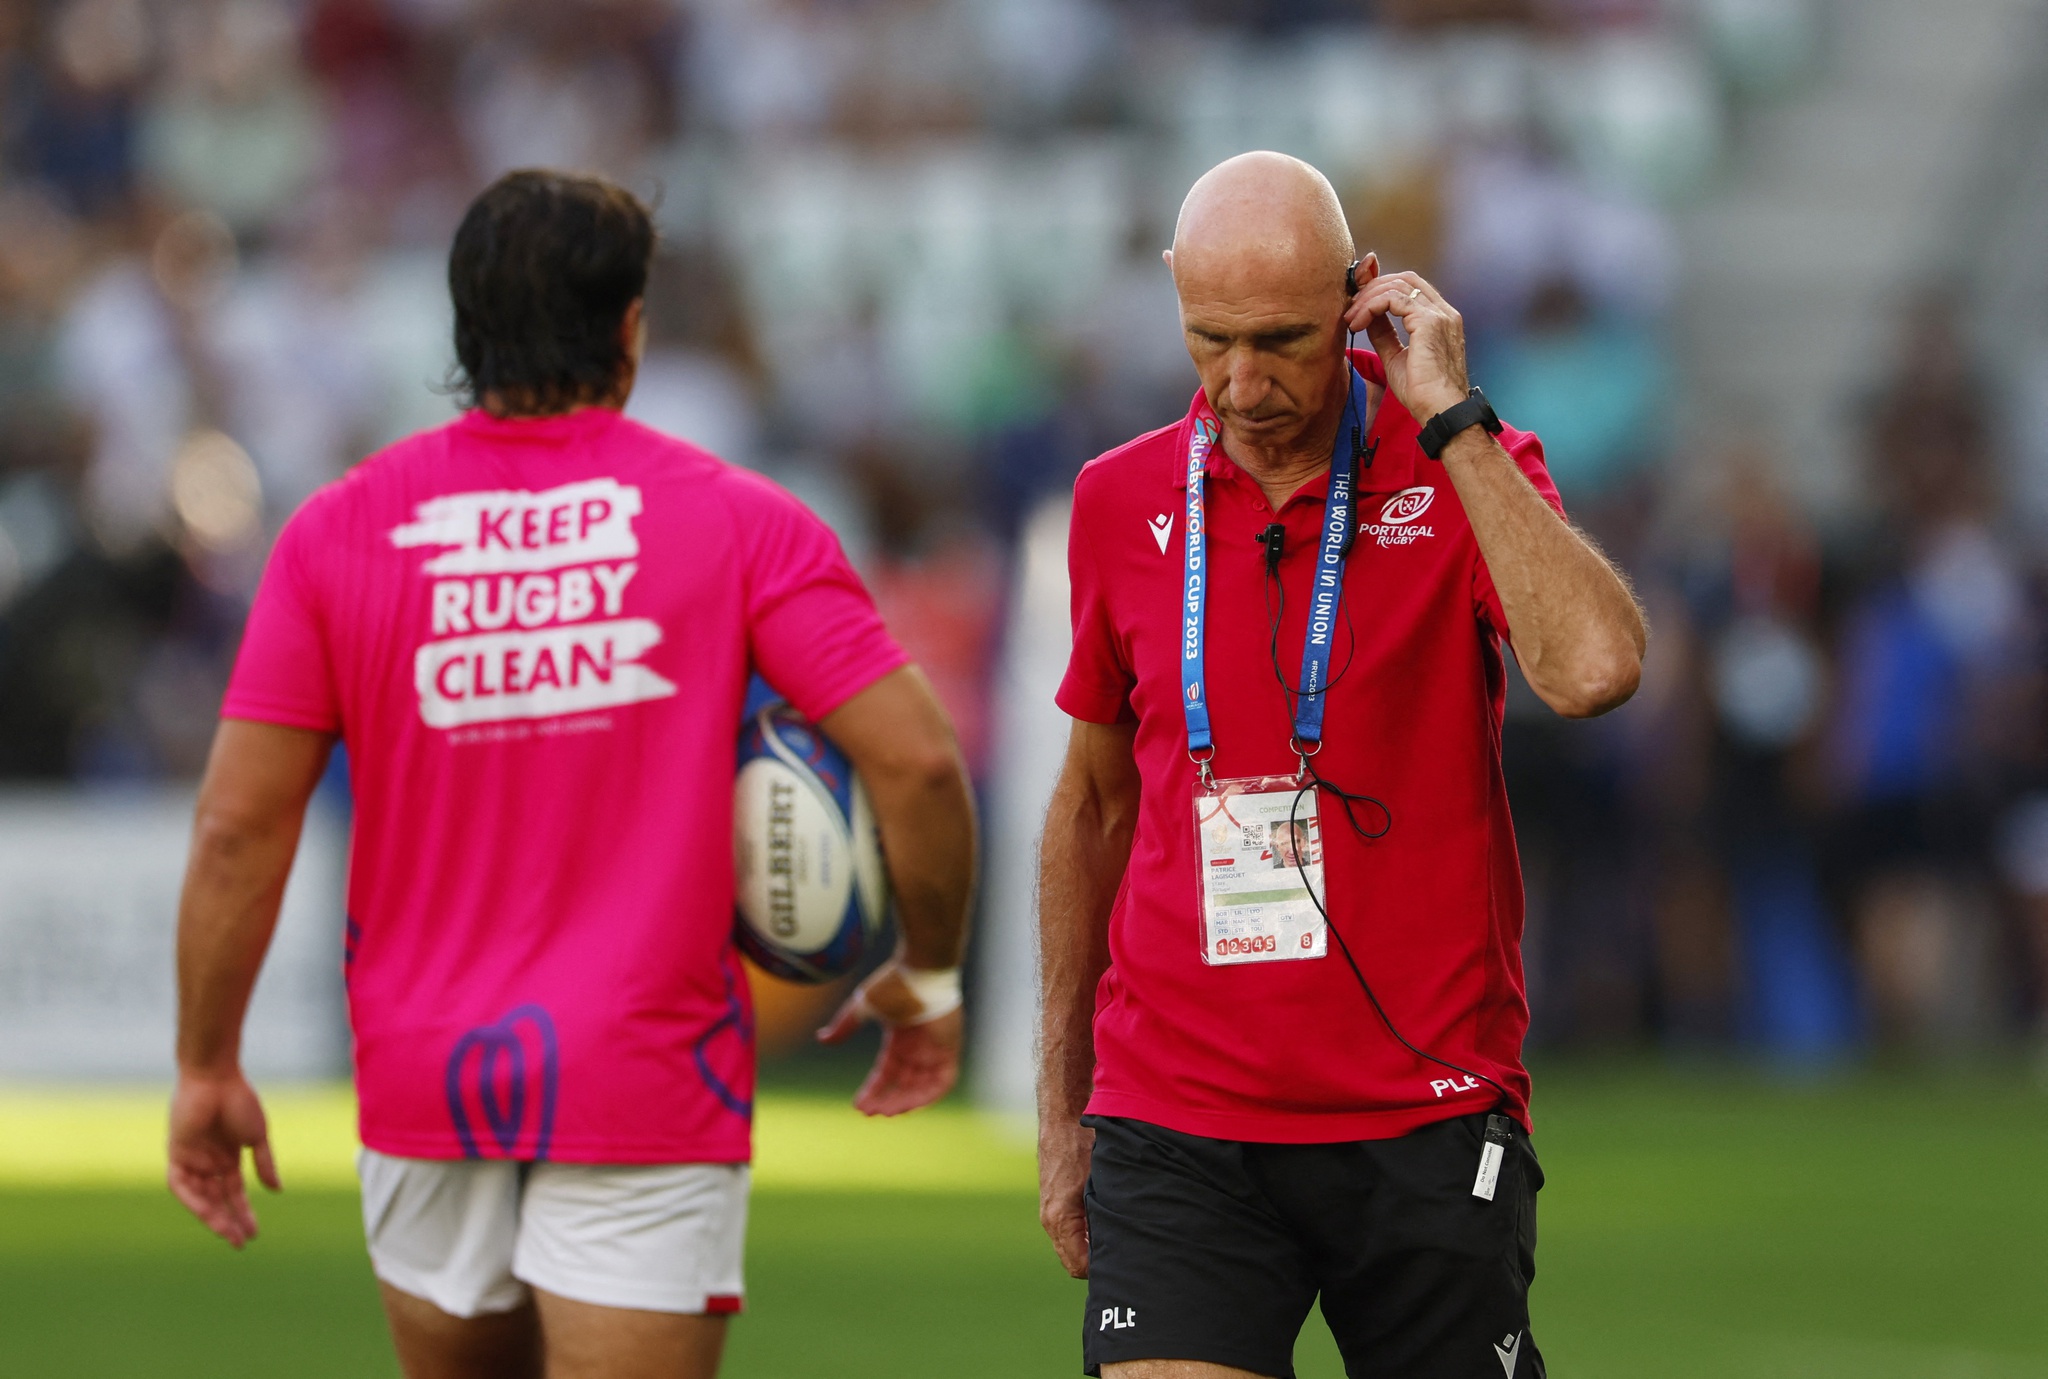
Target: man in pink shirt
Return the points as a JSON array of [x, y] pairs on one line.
[[533, 629]]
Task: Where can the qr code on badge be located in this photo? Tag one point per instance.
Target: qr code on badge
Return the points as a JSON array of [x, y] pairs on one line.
[[1254, 835]]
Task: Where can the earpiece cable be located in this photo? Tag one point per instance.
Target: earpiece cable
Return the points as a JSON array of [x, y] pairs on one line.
[[1276, 608]]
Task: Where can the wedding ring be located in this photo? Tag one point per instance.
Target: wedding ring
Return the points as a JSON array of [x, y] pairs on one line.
[[1414, 293]]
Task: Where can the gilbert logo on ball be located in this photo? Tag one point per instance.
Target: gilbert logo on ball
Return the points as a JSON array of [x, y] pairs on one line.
[[811, 891]]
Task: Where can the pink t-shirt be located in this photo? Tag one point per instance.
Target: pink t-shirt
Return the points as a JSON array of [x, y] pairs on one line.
[[535, 638]]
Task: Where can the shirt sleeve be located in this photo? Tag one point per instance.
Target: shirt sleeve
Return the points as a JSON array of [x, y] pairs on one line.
[[1098, 683], [284, 670], [1527, 451], [812, 628]]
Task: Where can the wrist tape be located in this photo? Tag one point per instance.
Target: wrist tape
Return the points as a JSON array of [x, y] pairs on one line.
[[937, 991]]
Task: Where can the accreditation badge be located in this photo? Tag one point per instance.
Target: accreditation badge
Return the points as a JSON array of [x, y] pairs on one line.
[[1261, 852]]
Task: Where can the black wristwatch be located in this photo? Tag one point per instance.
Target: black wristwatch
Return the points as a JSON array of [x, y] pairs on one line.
[[1475, 410]]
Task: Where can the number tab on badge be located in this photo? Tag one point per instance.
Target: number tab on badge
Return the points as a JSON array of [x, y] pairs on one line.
[[1261, 852]]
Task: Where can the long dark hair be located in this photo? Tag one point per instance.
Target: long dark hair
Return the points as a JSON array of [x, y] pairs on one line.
[[543, 268]]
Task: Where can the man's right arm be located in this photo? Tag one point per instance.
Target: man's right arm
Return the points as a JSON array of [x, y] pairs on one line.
[[1088, 828], [899, 739]]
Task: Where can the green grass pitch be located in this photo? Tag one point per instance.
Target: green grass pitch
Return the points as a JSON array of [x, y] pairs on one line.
[[1696, 1225]]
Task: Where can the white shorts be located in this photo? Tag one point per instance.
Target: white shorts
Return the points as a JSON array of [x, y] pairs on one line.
[[471, 1235]]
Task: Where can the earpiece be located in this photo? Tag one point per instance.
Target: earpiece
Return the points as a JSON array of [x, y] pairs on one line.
[[1351, 279]]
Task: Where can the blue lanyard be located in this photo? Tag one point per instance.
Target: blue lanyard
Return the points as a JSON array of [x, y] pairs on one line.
[[1326, 594]]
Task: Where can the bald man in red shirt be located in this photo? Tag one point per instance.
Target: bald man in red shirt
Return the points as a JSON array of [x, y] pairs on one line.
[[1281, 910]]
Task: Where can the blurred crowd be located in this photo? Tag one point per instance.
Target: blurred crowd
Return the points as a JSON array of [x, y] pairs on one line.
[[910, 268], [1822, 825]]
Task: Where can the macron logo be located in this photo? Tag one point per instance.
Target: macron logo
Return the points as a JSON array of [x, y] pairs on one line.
[[1507, 1350], [1162, 527]]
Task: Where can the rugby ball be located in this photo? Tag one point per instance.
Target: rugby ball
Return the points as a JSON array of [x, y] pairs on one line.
[[812, 896]]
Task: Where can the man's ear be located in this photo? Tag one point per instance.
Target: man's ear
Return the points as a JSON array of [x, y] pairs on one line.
[[1166, 257], [632, 345], [633, 328]]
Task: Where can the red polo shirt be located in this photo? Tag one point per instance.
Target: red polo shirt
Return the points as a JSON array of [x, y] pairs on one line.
[[1291, 1051]]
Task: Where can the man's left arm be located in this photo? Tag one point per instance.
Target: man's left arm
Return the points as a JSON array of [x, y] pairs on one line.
[[252, 804], [1577, 630]]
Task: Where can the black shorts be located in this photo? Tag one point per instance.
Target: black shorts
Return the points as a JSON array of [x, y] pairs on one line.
[[1214, 1250]]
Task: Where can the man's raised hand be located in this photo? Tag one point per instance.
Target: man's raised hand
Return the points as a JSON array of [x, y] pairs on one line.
[[1428, 373]]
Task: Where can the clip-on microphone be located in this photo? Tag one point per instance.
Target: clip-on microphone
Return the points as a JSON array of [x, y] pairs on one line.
[[1272, 538]]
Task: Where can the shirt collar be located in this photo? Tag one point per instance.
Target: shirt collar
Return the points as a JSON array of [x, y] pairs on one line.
[[562, 426], [1220, 465]]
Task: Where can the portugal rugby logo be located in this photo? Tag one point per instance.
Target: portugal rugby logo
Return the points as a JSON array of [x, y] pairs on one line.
[[1407, 505], [1397, 525]]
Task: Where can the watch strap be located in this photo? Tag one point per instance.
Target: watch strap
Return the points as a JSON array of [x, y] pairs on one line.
[[1475, 410]]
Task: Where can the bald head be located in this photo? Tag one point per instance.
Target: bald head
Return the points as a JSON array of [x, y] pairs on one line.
[[1261, 223], [1258, 259]]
